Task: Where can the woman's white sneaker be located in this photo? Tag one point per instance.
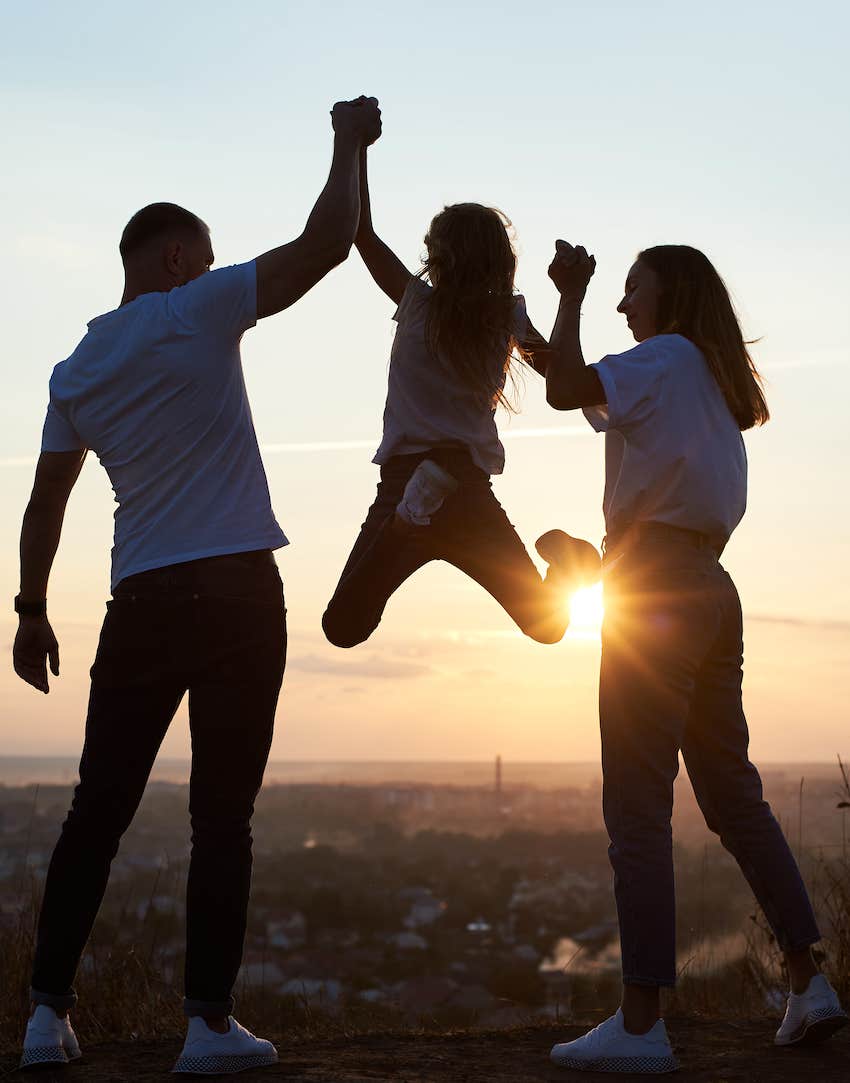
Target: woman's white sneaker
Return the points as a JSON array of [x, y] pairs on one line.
[[610, 1048], [813, 1016], [206, 1052], [49, 1039], [426, 489]]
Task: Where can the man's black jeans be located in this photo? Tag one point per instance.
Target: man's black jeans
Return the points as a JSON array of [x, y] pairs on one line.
[[215, 628]]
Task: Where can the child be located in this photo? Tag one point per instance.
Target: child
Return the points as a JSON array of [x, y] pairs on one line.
[[673, 409], [450, 358]]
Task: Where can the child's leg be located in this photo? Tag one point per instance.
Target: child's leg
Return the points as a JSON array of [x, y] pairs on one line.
[[474, 533], [382, 558]]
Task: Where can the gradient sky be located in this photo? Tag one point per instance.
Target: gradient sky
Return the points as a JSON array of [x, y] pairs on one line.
[[617, 127]]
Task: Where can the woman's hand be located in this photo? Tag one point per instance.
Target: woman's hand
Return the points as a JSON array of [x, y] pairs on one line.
[[571, 270]]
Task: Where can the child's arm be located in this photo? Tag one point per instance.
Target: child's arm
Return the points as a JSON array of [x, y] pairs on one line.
[[536, 350], [382, 263], [570, 384]]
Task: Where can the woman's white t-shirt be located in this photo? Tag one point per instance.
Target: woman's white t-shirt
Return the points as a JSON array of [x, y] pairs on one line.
[[427, 404], [673, 451]]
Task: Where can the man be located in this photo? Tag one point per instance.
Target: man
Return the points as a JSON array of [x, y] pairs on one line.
[[155, 389]]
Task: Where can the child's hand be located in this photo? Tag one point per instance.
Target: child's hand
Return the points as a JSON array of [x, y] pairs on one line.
[[571, 270], [361, 117]]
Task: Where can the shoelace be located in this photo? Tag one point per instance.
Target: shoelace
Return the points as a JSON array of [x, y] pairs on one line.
[[596, 1036]]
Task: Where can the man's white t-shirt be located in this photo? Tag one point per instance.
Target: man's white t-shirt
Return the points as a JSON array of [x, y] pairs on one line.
[[673, 451], [428, 405], [156, 390]]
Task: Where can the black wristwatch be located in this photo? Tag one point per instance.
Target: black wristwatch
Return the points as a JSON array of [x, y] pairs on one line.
[[30, 609]]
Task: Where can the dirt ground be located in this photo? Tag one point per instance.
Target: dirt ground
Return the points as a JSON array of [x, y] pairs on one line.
[[710, 1052]]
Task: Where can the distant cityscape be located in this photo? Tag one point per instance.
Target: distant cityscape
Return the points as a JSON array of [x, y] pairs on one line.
[[455, 900]]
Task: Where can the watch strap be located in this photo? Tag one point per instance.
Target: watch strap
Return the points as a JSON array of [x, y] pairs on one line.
[[30, 609]]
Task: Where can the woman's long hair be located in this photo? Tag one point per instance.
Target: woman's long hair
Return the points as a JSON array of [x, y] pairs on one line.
[[471, 264], [695, 303]]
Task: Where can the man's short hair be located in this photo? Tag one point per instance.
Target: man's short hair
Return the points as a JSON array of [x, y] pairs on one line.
[[155, 220]]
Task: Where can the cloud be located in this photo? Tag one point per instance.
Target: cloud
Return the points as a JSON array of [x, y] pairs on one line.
[[823, 624], [374, 666]]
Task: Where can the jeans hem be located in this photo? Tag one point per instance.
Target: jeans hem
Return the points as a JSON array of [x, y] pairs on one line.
[[60, 1002], [649, 983], [800, 945], [208, 1008]]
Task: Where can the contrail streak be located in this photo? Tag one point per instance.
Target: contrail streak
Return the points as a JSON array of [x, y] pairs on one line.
[[360, 445], [367, 445]]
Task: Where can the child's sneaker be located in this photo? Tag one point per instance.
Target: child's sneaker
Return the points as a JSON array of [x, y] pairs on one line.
[[610, 1048], [206, 1052], [426, 489], [572, 560], [49, 1039], [813, 1016]]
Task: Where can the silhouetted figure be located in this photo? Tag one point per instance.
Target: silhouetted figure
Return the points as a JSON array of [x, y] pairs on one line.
[[673, 409], [155, 389], [450, 357]]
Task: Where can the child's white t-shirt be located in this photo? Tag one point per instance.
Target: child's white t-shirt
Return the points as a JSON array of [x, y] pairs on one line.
[[427, 404], [673, 451], [155, 389]]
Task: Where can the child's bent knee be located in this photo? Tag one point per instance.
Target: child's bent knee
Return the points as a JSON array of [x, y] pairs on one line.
[[340, 633]]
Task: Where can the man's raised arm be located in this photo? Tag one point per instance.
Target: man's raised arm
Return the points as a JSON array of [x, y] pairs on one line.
[[284, 274], [55, 475]]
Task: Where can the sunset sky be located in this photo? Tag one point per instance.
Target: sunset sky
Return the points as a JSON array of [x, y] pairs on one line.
[[616, 126]]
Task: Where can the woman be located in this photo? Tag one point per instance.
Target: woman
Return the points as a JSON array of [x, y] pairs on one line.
[[453, 349], [673, 409]]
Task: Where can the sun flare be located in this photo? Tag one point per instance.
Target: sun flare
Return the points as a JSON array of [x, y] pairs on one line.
[[586, 612]]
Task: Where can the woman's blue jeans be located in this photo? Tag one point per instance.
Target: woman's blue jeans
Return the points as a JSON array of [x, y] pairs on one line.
[[672, 658]]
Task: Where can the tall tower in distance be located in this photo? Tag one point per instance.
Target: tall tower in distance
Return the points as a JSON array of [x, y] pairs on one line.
[[498, 776]]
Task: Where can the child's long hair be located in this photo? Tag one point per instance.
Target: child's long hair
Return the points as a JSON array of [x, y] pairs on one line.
[[695, 303], [471, 264]]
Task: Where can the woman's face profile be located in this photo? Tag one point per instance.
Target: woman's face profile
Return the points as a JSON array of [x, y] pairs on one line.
[[640, 301]]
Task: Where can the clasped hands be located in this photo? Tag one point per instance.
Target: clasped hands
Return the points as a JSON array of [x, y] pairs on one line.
[[571, 270], [360, 117]]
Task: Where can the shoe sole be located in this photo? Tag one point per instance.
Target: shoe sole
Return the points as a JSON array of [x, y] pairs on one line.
[[817, 1029], [219, 1064], [637, 1065], [44, 1056], [574, 558]]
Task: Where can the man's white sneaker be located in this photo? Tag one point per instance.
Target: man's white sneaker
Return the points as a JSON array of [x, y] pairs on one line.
[[610, 1048], [206, 1052], [813, 1016], [49, 1039], [426, 489]]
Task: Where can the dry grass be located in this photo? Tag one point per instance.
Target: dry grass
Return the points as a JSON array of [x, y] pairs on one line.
[[126, 992]]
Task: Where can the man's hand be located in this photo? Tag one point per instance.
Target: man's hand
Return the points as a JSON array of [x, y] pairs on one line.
[[361, 117], [35, 643], [571, 270]]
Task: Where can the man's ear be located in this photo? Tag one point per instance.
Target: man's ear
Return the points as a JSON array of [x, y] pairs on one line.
[[173, 256]]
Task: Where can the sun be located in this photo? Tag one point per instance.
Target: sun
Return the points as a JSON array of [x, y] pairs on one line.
[[586, 612]]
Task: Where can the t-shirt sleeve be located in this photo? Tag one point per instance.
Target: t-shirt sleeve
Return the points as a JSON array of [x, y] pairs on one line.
[[632, 383], [519, 327], [58, 433], [223, 301], [416, 292]]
